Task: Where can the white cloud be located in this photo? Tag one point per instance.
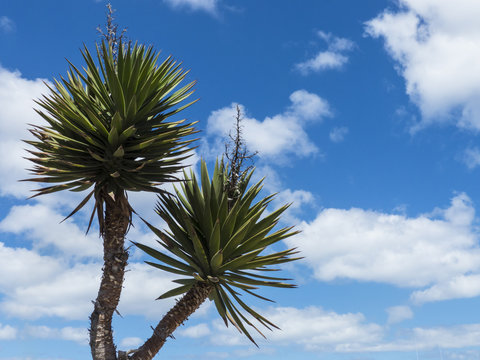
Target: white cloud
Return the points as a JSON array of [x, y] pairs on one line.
[[131, 342], [312, 328], [239, 353], [299, 199], [333, 58], [324, 60], [471, 157], [6, 24], [143, 284], [49, 287], [209, 6], [67, 294], [16, 112], [398, 314], [21, 267], [280, 135], [79, 335], [462, 286], [35, 286], [452, 337], [315, 329], [308, 106], [45, 228], [436, 45], [8, 332], [196, 331], [448, 337], [417, 252], [462, 354], [338, 134]]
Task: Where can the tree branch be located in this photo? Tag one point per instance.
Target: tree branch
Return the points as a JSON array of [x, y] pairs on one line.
[[236, 153], [111, 32]]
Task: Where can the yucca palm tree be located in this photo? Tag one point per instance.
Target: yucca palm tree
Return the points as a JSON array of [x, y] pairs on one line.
[[217, 250], [108, 133]]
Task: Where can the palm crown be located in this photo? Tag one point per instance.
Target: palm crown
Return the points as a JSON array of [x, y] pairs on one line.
[[220, 242], [107, 126]]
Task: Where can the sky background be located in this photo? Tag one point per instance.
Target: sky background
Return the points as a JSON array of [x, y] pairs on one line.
[[365, 114]]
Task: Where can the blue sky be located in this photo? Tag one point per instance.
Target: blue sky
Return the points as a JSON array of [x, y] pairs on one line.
[[365, 114]]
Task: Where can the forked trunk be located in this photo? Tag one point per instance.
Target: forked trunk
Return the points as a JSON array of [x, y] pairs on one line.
[[115, 260], [187, 305]]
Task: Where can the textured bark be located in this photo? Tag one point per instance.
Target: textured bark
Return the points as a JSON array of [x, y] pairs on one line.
[[185, 307], [115, 259]]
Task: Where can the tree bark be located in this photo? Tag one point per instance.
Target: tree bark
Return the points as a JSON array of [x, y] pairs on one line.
[[185, 307], [115, 260]]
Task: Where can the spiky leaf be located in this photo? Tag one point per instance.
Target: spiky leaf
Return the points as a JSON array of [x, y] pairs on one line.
[[224, 250], [108, 125]]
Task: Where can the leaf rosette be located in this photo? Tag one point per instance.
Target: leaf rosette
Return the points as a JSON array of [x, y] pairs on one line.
[[221, 241], [107, 126]]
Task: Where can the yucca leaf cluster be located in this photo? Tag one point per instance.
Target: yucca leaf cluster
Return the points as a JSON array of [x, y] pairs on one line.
[[107, 125], [221, 241]]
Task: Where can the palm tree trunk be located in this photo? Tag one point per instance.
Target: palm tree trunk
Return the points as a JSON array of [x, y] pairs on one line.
[[187, 305], [115, 260]]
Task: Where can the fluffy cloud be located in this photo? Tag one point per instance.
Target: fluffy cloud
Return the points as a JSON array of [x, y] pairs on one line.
[[312, 328], [45, 228], [16, 112], [435, 43], [143, 284], [209, 6], [6, 24], [397, 314], [79, 335], [131, 342], [428, 250], [8, 332], [66, 294], [299, 199], [471, 157], [196, 331], [453, 337], [333, 58], [448, 337], [316, 329], [15, 273], [462, 286], [277, 136], [338, 134], [50, 287]]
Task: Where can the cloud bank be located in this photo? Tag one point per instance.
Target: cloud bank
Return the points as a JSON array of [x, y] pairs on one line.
[[334, 57], [435, 44], [435, 254], [278, 136], [209, 6]]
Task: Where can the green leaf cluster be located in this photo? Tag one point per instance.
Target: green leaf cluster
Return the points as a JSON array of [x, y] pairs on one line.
[[225, 245], [107, 125]]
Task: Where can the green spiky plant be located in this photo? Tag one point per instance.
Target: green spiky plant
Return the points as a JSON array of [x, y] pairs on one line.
[[219, 246], [108, 132]]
